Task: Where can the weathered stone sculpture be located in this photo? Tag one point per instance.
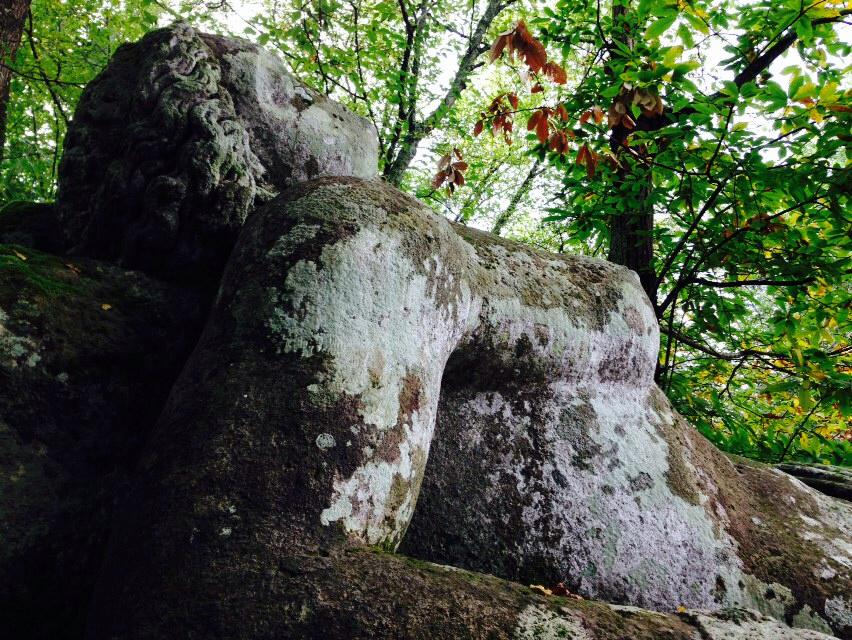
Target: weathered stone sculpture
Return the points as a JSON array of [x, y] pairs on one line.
[[349, 318], [370, 378], [181, 136]]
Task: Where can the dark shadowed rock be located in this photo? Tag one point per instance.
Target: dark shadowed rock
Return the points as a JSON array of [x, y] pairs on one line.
[[183, 133], [87, 354], [364, 594], [32, 224], [350, 319]]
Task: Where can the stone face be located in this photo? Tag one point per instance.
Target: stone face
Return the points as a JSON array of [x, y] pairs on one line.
[[350, 322], [87, 354], [181, 136]]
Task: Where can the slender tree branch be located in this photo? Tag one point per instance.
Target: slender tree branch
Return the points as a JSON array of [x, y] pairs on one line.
[[751, 283], [395, 167], [507, 213], [762, 62], [57, 101]]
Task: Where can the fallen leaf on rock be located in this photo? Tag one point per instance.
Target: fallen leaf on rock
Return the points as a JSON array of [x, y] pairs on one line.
[[561, 590]]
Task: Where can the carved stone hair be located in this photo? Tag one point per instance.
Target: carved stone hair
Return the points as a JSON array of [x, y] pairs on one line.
[[181, 136]]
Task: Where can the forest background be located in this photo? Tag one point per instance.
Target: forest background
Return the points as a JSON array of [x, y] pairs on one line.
[[703, 143]]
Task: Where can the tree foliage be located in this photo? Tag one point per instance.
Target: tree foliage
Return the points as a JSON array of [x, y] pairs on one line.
[[65, 44], [703, 143], [738, 185]]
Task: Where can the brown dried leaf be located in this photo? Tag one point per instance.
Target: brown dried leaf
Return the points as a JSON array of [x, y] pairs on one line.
[[498, 46], [529, 48], [555, 73], [532, 123], [438, 180], [581, 155], [591, 164], [559, 142], [541, 589], [541, 127], [613, 117]]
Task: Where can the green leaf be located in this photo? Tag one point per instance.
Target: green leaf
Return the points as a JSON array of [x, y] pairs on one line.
[[659, 26], [685, 36], [671, 56], [804, 28], [806, 400], [807, 90], [696, 23], [729, 88]]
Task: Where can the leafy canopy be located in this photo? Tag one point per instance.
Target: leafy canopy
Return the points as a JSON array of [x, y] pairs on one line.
[[725, 121], [743, 168]]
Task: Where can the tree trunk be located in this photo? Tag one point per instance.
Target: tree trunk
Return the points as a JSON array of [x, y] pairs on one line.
[[397, 163], [12, 14], [631, 232], [507, 213], [631, 243]]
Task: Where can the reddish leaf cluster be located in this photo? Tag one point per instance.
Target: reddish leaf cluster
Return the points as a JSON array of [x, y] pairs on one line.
[[619, 112], [540, 123], [501, 113], [519, 41], [595, 113], [543, 121], [650, 103], [450, 173], [587, 157], [559, 142]]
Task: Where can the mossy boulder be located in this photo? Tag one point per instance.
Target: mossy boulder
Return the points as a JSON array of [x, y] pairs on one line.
[[353, 332], [87, 354], [360, 593]]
